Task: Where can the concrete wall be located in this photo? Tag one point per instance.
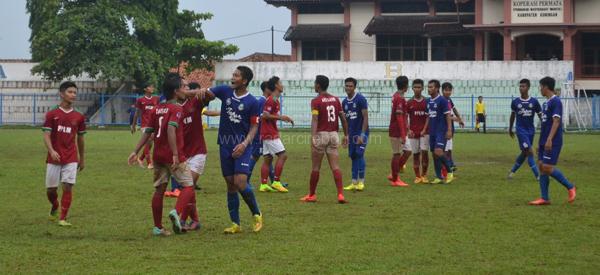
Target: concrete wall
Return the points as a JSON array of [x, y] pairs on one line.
[[493, 11], [361, 45], [466, 70], [586, 11], [321, 18]]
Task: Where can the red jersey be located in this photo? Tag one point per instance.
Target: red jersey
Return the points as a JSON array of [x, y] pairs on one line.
[[64, 126], [268, 127], [417, 113], [146, 105], [327, 107], [193, 132], [166, 114], [399, 108]]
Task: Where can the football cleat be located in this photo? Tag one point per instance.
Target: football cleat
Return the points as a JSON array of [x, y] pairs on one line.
[[160, 232], [177, 228], [399, 183], [341, 199], [437, 181], [235, 228], [510, 176], [266, 188], [418, 180], [572, 194], [63, 223], [360, 186], [53, 216], [277, 186], [309, 198], [424, 179], [258, 223], [539, 201], [449, 177], [350, 187]]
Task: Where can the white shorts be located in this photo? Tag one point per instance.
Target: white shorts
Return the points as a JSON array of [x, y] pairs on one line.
[[448, 145], [407, 145], [197, 163], [56, 174], [272, 147], [419, 144]]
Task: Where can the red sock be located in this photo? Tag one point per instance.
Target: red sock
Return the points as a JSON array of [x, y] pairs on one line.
[[278, 169], [189, 209], [425, 164], [146, 154], [444, 172], [65, 204], [193, 209], [314, 179], [395, 165], [264, 173], [337, 177], [52, 198], [403, 159], [157, 208], [185, 197], [417, 164]]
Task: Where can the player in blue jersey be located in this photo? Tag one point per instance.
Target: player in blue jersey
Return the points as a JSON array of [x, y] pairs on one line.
[[238, 125], [550, 144], [257, 143], [524, 109], [356, 109], [439, 127]]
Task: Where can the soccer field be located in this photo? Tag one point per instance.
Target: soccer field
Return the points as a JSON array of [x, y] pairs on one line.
[[478, 224]]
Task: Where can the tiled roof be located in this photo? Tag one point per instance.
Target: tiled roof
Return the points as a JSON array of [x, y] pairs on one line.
[[418, 24]]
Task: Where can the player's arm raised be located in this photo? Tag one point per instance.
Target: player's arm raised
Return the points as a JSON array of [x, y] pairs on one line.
[[342, 117]]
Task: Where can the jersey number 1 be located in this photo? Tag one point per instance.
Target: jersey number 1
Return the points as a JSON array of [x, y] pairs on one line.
[[160, 120], [331, 113]]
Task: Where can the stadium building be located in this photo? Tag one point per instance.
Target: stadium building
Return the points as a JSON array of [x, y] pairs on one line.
[[440, 30]]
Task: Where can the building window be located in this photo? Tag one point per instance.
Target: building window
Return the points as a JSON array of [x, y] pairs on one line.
[[324, 8], [495, 46], [2, 74], [590, 47], [401, 48], [321, 50], [453, 48], [406, 7], [446, 6]]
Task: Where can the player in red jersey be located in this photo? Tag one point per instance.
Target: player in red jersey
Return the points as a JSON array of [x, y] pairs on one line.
[[398, 130], [326, 112], [144, 107], [269, 135], [169, 157], [417, 114], [61, 127]]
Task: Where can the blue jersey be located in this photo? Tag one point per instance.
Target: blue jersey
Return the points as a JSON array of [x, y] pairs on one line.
[[261, 104], [551, 108], [237, 115], [525, 110], [353, 109], [437, 108]]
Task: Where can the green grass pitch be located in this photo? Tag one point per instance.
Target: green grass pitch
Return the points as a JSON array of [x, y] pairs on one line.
[[479, 224]]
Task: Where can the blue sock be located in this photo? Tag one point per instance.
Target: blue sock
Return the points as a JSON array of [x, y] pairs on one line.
[[174, 184], [534, 168], [251, 167], [271, 172], [250, 199], [354, 169], [518, 162], [444, 161], [437, 165], [544, 182], [450, 161], [558, 175], [362, 165], [233, 204]]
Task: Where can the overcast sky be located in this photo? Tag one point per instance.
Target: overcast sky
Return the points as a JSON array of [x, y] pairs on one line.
[[231, 18]]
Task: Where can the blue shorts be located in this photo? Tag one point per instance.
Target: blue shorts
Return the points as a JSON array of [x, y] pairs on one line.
[[257, 150], [356, 150], [437, 141], [231, 166], [525, 140], [549, 157]]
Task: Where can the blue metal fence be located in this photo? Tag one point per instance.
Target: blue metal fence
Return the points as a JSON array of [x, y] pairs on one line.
[[105, 109]]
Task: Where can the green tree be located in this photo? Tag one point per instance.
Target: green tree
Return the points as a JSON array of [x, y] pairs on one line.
[[128, 40]]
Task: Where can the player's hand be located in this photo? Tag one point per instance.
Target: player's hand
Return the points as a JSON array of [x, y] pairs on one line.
[[132, 159], [81, 165], [133, 129], [360, 140], [176, 162], [239, 150], [345, 141], [449, 135], [548, 145], [411, 134], [423, 132], [201, 94], [54, 155], [461, 123], [511, 134]]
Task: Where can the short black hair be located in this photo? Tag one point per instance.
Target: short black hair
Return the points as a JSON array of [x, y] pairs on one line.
[[418, 81], [447, 86], [350, 79], [322, 81], [402, 82], [246, 74], [525, 81], [193, 85], [480, 97], [172, 82], [435, 82], [549, 82], [273, 82], [66, 85], [263, 85]]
